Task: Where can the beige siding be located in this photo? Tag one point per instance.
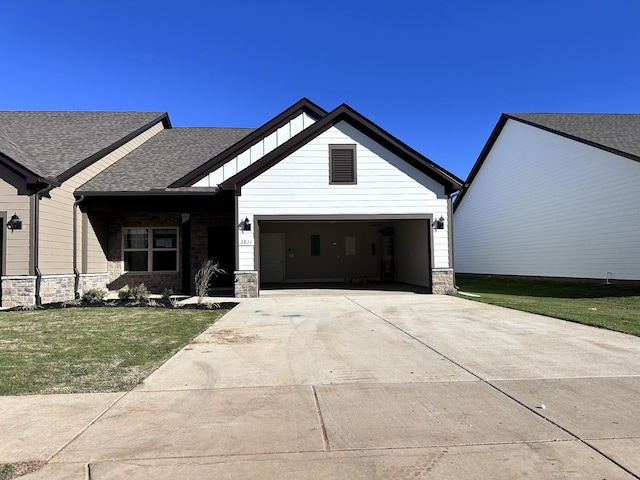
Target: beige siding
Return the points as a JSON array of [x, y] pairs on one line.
[[16, 248], [56, 218]]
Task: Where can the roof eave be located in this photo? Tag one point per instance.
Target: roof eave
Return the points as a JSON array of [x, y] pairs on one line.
[[31, 177], [346, 113], [163, 192], [304, 105], [481, 158]]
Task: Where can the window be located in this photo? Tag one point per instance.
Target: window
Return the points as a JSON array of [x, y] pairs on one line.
[[342, 160], [315, 245], [150, 249], [350, 245]]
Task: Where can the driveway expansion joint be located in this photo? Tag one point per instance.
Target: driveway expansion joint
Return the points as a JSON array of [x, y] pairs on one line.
[[498, 389]]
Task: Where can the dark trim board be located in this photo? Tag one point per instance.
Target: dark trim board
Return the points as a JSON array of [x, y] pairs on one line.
[[78, 167], [347, 114], [302, 106], [220, 202], [613, 281]]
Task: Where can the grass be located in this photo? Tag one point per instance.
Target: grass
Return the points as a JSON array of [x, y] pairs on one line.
[[82, 350], [13, 470], [616, 307]]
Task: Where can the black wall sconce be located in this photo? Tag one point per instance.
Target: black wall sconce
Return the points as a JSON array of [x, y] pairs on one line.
[[245, 225], [439, 223], [15, 223]]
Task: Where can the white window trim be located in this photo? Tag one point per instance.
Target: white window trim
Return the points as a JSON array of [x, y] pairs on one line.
[[150, 249]]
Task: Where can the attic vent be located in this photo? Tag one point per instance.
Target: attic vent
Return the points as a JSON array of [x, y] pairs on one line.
[[343, 164]]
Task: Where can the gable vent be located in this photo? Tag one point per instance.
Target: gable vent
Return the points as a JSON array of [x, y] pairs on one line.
[[343, 164]]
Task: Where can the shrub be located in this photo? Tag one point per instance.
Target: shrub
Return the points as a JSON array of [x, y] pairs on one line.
[[94, 295], [207, 271], [139, 293], [166, 293]]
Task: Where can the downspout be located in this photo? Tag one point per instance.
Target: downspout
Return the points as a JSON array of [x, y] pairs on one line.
[[451, 243], [36, 246], [76, 272]]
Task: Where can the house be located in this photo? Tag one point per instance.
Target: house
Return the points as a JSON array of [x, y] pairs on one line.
[[553, 195], [109, 199]]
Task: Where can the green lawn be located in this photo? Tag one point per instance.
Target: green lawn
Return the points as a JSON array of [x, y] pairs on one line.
[[611, 306], [102, 349]]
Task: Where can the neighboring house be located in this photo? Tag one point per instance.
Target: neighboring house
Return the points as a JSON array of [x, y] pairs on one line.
[[553, 195], [109, 199]]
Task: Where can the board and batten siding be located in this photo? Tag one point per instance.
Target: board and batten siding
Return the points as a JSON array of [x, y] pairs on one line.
[[386, 185], [545, 205], [56, 218], [256, 151], [16, 248]]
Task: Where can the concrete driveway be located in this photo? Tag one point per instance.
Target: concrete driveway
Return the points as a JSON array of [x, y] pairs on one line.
[[340, 384]]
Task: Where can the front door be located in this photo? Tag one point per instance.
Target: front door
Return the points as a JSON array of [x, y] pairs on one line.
[[221, 248], [272, 257]]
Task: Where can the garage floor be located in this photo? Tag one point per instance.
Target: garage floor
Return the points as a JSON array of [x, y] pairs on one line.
[[372, 384]]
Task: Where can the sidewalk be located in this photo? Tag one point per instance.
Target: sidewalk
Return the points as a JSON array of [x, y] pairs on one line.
[[359, 385]]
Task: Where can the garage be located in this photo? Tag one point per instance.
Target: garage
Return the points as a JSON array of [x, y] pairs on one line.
[[352, 251]]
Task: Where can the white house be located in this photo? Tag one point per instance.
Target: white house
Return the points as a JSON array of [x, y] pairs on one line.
[[108, 199], [553, 195], [333, 197]]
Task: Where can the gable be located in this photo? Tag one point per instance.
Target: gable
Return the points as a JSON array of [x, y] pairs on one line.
[[274, 132], [615, 133], [256, 151], [302, 179], [55, 145], [344, 113]]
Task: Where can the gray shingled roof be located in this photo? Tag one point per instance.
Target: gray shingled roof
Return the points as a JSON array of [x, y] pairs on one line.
[[164, 158], [620, 132], [50, 143]]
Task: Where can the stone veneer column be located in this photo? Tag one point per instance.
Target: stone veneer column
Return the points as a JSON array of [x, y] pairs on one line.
[[246, 284], [442, 281]]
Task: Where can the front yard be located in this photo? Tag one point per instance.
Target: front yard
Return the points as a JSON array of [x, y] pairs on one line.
[[102, 349], [616, 307]]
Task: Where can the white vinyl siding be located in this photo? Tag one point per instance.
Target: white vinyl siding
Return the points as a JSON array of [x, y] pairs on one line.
[[256, 151], [387, 185], [545, 205]]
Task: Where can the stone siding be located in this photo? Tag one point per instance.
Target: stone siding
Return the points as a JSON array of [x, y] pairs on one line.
[[89, 281], [18, 291], [442, 281], [57, 288], [246, 284]]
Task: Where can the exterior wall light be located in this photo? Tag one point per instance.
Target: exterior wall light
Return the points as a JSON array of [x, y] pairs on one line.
[[439, 223], [245, 225], [15, 223]]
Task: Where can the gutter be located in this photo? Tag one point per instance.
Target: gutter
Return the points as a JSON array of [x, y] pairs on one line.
[[76, 272]]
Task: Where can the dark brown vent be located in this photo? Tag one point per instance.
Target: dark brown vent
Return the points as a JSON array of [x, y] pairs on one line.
[[343, 164]]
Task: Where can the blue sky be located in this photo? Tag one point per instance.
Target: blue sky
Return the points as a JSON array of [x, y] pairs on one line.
[[436, 74]]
